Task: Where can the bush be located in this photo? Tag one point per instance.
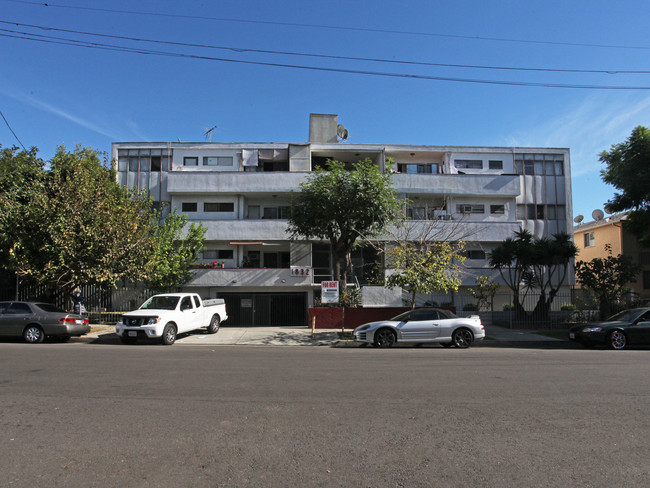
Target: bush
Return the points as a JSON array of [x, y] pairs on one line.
[[508, 306], [569, 307]]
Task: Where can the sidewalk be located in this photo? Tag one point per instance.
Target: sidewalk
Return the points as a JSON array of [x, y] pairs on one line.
[[302, 336]]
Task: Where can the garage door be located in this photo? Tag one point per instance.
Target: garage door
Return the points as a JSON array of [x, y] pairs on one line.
[[265, 309]]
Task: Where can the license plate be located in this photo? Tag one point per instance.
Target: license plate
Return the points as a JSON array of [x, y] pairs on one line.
[[572, 335], [133, 333], [78, 321]]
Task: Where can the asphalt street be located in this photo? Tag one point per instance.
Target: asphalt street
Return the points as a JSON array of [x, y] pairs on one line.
[[103, 415]]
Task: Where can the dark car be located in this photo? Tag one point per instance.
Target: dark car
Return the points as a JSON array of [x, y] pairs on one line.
[[627, 328], [34, 321]]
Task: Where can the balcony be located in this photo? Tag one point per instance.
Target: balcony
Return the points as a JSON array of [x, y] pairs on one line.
[[245, 230], [238, 277], [235, 182], [474, 185]]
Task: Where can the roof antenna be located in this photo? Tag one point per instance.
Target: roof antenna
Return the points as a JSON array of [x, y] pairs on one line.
[[208, 133]]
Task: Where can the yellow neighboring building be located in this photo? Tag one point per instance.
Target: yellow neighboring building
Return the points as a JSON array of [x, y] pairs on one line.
[[590, 238]]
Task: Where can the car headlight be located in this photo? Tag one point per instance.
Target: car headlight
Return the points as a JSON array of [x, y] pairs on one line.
[[592, 329], [152, 321]]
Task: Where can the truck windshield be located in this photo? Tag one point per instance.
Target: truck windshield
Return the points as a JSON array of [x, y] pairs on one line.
[[160, 303]]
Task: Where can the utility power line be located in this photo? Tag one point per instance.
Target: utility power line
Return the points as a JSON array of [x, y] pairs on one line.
[[12, 131], [97, 45], [331, 27], [313, 55]]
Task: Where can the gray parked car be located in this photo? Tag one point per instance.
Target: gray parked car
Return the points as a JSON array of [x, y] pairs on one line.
[[34, 321]]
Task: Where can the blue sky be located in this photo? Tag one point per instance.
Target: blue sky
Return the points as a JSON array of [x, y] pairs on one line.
[[55, 94]]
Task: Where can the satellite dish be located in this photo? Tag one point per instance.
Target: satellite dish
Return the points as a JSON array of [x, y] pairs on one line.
[[342, 132], [608, 210], [597, 214], [579, 219]]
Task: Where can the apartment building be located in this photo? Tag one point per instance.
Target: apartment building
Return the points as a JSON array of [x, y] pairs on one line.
[[241, 193], [592, 237]]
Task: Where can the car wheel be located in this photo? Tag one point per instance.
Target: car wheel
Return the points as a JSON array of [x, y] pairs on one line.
[[214, 325], [616, 340], [169, 335], [385, 338], [33, 334], [462, 338], [128, 340]]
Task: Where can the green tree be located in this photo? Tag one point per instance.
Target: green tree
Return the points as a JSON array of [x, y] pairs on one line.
[[541, 264], [628, 170], [483, 292], [21, 175], [343, 206], [173, 255], [425, 266], [80, 226], [607, 278]]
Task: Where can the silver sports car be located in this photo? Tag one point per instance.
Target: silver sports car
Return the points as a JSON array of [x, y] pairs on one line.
[[423, 325]]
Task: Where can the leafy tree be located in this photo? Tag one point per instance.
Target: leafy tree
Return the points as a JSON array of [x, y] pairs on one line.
[[82, 227], [343, 206], [484, 291], [537, 263], [21, 174], [172, 255], [628, 170], [607, 278], [425, 266], [73, 224]]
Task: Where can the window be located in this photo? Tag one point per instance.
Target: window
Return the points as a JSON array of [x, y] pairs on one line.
[[218, 161], [521, 212], [474, 254], [253, 211], [493, 164], [276, 212], [155, 163], [534, 212], [497, 209], [416, 213], [18, 308], [589, 239], [468, 163], [276, 260], [186, 304], [270, 213], [470, 209], [188, 206], [191, 161], [539, 164], [418, 168], [218, 207], [218, 254]]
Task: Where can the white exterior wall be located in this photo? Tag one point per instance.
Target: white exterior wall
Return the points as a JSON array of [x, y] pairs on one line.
[[235, 231]]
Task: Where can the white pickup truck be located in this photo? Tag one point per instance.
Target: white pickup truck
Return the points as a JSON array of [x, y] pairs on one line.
[[164, 316]]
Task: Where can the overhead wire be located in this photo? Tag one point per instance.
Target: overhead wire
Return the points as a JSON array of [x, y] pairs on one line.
[[97, 45], [12, 131], [331, 27], [323, 56]]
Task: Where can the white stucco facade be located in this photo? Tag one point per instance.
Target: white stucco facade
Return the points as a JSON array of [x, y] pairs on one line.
[[240, 192]]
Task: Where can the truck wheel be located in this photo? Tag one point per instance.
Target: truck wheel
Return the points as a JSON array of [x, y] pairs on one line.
[[214, 325], [169, 334]]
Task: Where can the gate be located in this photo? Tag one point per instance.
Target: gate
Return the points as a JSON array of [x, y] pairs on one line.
[[265, 309]]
